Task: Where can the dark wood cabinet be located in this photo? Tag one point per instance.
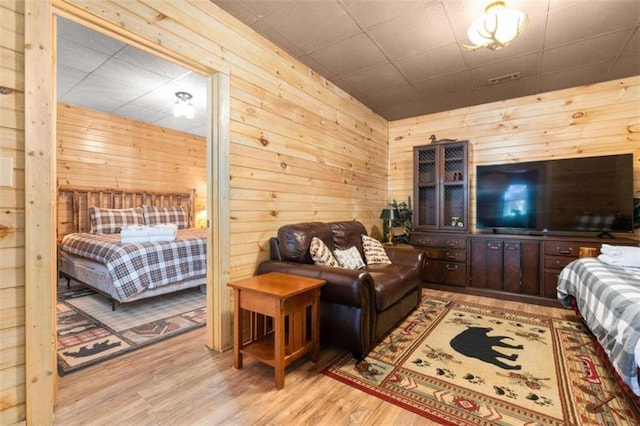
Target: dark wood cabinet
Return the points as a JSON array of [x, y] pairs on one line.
[[504, 265], [446, 258], [441, 187], [516, 267]]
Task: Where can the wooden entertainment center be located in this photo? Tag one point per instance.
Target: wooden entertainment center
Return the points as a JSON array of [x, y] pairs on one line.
[[514, 267], [509, 266]]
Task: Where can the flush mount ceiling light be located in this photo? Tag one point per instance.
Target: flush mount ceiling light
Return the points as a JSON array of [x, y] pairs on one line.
[[497, 28], [183, 106]]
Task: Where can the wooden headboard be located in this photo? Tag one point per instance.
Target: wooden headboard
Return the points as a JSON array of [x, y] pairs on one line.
[[74, 203]]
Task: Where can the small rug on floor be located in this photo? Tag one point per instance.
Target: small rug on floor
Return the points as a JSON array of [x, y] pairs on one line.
[[468, 364], [89, 332]]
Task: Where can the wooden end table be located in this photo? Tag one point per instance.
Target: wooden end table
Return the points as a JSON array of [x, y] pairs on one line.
[[285, 298]]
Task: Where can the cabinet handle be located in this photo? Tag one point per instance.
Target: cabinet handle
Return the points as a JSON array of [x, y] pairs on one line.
[[452, 243], [452, 268], [565, 251], [511, 246], [493, 247], [448, 255]]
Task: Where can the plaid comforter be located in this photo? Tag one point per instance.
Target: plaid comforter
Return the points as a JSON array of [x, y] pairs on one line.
[[135, 267], [608, 298]]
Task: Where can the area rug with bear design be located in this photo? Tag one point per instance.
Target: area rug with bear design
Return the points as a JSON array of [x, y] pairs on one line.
[[467, 364], [89, 331]]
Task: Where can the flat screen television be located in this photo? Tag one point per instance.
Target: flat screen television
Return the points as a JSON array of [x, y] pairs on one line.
[[578, 196]]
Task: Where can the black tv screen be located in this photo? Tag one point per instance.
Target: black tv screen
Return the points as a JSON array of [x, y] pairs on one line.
[[577, 195]]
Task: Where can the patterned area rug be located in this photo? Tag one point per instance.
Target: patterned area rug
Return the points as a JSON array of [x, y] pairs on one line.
[[89, 332], [466, 364]]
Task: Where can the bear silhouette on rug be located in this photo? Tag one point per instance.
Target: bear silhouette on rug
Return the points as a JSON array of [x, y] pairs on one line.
[[474, 343]]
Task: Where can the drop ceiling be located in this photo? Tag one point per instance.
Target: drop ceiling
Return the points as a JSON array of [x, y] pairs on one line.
[[97, 72], [406, 58], [401, 58]]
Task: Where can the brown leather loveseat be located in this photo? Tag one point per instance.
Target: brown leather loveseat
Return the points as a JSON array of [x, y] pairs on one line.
[[358, 307]]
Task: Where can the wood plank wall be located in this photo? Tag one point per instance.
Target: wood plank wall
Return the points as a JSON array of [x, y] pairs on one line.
[[12, 251], [301, 149], [598, 119], [102, 151]]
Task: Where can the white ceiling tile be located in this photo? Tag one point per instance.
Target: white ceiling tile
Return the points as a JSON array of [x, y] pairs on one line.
[[350, 55], [79, 57], [593, 50], [372, 12], [149, 62], [130, 75], [581, 21], [526, 65], [377, 78], [453, 100], [94, 40], [278, 39], [633, 45], [310, 25], [94, 85], [410, 34], [424, 65], [587, 74], [138, 111], [451, 83], [508, 90], [625, 67], [67, 78]]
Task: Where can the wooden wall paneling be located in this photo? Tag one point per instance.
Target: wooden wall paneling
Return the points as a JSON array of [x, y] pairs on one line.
[[341, 126], [599, 119], [40, 223], [12, 219], [102, 151]]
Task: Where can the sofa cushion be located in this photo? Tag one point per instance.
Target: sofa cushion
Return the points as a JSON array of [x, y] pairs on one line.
[[374, 252], [295, 240], [321, 254], [349, 258], [392, 282], [348, 234]]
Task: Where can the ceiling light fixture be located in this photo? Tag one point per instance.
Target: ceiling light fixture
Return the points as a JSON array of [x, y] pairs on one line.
[[497, 28], [183, 106]]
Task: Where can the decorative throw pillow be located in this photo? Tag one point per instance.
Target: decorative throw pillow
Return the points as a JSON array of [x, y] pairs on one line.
[[321, 254], [374, 252], [159, 215], [349, 258], [110, 221]]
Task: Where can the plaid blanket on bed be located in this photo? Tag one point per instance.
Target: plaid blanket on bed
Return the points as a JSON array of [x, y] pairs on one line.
[[136, 267], [608, 298]]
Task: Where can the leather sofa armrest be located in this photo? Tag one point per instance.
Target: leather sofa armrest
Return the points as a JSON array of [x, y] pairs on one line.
[[408, 256], [344, 286]]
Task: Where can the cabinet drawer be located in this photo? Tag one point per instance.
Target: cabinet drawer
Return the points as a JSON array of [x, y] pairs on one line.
[[452, 255], [562, 249], [442, 242], [558, 262], [445, 273]]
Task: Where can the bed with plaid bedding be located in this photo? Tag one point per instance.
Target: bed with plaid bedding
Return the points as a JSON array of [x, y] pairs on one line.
[[136, 267], [608, 298]]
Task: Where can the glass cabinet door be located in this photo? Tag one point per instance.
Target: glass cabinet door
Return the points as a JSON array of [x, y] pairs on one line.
[[427, 195], [454, 188], [440, 186]]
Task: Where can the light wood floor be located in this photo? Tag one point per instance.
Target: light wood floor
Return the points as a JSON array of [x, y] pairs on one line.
[[181, 382]]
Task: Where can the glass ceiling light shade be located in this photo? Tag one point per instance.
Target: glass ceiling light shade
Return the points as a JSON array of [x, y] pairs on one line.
[[183, 106], [497, 28]]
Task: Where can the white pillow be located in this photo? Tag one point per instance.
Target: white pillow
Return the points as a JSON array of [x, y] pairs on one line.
[[321, 254], [349, 258], [374, 252]]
